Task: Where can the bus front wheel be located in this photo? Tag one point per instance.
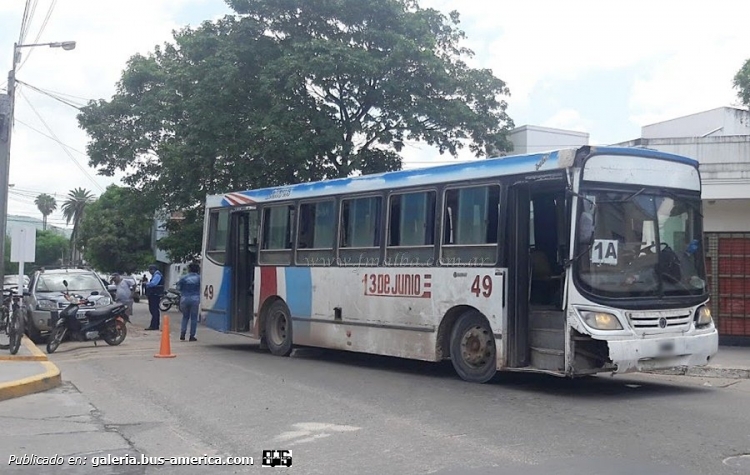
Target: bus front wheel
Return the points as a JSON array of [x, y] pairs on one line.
[[473, 350], [279, 329]]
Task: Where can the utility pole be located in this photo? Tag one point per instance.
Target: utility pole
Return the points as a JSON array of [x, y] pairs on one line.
[[6, 129], [7, 107]]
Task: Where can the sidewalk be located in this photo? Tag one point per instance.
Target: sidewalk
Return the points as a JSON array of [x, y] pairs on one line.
[[27, 372], [731, 362]]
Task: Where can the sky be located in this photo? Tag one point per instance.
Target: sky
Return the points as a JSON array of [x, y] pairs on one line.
[[602, 67]]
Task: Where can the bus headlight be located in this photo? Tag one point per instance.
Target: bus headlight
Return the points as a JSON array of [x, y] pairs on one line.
[[703, 316], [601, 320]]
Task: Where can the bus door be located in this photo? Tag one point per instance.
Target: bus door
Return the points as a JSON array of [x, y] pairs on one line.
[[538, 224], [243, 254]]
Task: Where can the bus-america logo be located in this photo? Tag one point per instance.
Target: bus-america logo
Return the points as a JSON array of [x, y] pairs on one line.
[[237, 199], [398, 285]]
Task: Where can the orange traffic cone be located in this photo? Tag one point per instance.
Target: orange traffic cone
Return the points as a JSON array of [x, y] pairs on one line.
[[165, 351]]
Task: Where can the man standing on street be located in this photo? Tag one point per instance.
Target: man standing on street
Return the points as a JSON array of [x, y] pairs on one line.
[[154, 291], [124, 294]]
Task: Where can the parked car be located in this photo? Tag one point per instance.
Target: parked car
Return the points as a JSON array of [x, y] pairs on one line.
[[10, 281], [46, 296], [135, 286]]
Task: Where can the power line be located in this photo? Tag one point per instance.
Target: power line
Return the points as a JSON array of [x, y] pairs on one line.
[[85, 99], [41, 29], [24, 21], [28, 19], [51, 137], [49, 94], [64, 149]]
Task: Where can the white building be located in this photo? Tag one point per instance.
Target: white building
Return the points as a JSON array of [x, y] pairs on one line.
[[535, 139], [720, 140], [172, 271]]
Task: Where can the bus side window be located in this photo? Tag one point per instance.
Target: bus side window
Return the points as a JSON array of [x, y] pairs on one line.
[[316, 233], [470, 222], [411, 225], [360, 218], [276, 244], [359, 239], [218, 230]]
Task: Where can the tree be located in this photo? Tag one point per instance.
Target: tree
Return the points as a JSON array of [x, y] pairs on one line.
[[11, 268], [116, 232], [50, 249], [742, 83], [292, 91], [73, 210], [46, 205]]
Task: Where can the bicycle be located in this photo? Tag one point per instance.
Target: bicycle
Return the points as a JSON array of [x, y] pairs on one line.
[[11, 322]]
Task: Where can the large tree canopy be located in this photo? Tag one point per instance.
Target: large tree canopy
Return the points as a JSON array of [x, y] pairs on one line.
[[742, 83], [116, 232], [293, 91]]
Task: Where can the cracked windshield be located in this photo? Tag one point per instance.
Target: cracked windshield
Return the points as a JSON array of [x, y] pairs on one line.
[[640, 244]]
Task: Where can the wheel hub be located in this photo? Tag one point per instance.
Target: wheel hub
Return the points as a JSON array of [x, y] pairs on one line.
[[476, 346], [278, 333]]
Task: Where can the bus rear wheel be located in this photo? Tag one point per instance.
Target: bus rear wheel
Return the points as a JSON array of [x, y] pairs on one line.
[[473, 351], [279, 329]]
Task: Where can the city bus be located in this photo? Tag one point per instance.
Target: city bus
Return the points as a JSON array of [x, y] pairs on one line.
[[571, 263]]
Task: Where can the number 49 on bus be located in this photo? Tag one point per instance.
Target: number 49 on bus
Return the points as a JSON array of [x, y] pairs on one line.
[[482, 285]]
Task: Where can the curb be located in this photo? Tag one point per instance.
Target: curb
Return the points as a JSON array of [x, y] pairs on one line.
[[706, 372], [36, 353], [49, 379]]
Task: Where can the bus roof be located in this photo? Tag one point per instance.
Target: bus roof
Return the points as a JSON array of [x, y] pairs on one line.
[[500, 166]]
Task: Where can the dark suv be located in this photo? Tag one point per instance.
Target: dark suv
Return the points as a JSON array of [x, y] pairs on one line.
[[46, 296]]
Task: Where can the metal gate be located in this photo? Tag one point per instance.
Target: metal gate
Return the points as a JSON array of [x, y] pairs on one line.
[[728, 269]]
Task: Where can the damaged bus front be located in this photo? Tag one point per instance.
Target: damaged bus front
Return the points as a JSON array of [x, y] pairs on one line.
[[639, 295]]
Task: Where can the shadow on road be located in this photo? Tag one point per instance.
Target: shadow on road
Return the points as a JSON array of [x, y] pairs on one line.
[[619, 386]]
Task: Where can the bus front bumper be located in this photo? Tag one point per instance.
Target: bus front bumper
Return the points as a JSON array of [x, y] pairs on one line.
[[663, 352]]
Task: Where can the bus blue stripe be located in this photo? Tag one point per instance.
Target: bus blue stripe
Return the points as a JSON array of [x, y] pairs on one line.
[[515, 164], [299, 291], [218, 318]]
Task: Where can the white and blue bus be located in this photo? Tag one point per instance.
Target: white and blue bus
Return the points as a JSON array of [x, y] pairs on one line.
[[571, 262]]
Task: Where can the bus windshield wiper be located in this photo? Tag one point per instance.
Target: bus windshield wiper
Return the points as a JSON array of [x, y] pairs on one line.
[[623, 200], [570, 262]]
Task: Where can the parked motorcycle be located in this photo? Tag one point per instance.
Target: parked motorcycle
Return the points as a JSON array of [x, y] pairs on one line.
[[106, 323], [172, 297]]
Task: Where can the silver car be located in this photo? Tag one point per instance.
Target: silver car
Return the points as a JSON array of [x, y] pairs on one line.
[[46, 296], [11, 281]]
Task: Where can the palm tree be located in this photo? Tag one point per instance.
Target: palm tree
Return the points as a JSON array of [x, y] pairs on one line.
[[46, 205], [73, 209]]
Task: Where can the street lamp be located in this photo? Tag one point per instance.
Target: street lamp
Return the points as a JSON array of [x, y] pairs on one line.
[[7, 106]]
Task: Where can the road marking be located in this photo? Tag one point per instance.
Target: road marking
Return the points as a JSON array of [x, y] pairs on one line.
[[311, 431]]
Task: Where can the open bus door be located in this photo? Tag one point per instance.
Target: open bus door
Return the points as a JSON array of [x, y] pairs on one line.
[[242, 258], [539, 233]]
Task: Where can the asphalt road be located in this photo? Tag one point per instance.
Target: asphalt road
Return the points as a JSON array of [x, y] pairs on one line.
[[343, 413]]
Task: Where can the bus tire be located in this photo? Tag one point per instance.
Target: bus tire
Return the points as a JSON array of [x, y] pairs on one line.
[[473, 351], [278, 333]]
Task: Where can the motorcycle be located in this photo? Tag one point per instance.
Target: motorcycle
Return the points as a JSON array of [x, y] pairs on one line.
[[172, 297], [106, 323]]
